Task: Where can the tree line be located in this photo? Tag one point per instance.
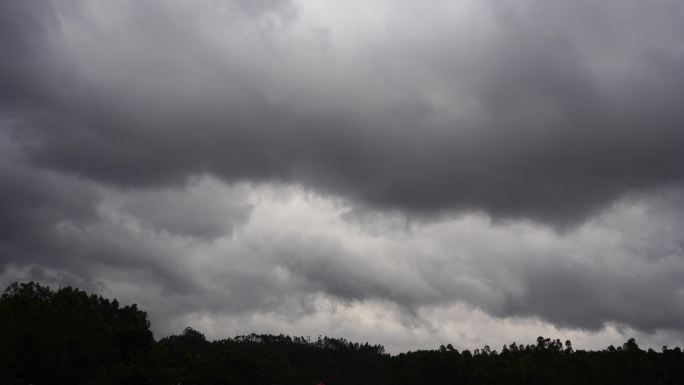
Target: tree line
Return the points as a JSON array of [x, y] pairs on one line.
[[68, 336]]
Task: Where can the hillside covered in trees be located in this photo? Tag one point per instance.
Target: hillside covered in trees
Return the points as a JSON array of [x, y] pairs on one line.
[[70, 337]]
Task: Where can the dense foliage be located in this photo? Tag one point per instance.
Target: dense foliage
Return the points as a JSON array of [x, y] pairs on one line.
[[69, 337]]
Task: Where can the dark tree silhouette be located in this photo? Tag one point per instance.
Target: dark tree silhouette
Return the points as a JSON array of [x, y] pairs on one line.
[[69, 337]]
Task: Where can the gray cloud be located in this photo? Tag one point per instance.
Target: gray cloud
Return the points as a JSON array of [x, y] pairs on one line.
[[558, 127], [137, 138]]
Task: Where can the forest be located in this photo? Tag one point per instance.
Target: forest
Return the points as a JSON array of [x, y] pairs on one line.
[[67, 336]]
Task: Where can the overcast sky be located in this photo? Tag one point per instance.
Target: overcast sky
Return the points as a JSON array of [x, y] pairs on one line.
[[401, 172]]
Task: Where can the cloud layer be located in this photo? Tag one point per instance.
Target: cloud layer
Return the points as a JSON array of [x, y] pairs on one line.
[[267, 159]]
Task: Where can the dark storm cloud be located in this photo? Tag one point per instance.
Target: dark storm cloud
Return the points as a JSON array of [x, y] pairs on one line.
[[23, 26], [31, 202], [121, 121], [554, 136]]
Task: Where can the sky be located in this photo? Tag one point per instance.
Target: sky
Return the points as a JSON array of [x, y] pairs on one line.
[[402, 172]]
